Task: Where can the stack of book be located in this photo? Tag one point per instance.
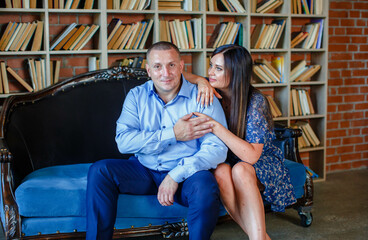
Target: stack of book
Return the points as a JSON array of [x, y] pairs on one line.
[[54, 71], [172, 5], [93, 64], [37, 71], [136, 62], [185, 34], [307, 6], [74, 37], [4, 81], [315, 33], [267, 36], [297, 38], [275, 110], [301, 103], [128, 4], [308, 138], [227, 5], [17, 36], [265, 6], [264, 71], [70, 4], [21, 4], [128, 36], [301, 72], [226, 33]]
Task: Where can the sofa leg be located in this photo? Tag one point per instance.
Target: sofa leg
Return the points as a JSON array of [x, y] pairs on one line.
[[175, 230], [306, 217]]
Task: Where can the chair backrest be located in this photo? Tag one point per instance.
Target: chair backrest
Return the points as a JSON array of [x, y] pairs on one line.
[[73, 122]]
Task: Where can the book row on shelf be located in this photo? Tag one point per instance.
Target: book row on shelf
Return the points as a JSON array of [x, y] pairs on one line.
[[309, 137], [310, 37], [266, 6], [74, 37], [70, 4], [226, 33], [301, 72], [306, 6], [18, 36], [268, 72], [128, 4], [185, 34], [257, 6], [267, 36], [301, 103], [128, 36]]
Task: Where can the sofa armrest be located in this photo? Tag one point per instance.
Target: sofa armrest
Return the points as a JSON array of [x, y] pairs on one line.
[[287, 139], [9, 209]]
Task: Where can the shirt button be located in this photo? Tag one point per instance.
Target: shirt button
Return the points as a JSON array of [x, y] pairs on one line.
[[163, 126], [160, 164], [169, 144]]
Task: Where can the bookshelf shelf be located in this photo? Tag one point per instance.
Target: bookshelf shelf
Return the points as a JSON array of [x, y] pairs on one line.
[[196, 59]]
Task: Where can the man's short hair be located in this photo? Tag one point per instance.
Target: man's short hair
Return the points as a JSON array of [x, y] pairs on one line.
[[162, 46]]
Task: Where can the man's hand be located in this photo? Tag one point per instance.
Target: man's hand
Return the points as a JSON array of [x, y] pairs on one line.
[[166, 191], [187, 128]]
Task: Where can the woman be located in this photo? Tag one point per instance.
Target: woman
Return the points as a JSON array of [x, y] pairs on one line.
[[252, 156]]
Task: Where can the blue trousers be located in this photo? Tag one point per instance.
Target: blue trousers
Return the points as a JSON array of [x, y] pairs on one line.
[[108, 178]]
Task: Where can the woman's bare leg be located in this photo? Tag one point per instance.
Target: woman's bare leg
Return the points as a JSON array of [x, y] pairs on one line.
[[242, 199]]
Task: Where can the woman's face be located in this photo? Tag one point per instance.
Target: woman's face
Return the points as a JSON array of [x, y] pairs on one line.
[[216, 72]]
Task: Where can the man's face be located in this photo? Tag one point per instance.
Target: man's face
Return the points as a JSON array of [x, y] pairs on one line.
[[165, 68]]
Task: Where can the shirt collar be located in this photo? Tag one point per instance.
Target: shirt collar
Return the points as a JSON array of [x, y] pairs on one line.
[[183, 92]]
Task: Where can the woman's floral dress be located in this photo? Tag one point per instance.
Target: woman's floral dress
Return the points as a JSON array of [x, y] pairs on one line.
[[270, 168]]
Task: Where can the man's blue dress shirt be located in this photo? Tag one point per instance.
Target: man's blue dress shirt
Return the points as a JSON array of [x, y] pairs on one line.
[[146, 128]]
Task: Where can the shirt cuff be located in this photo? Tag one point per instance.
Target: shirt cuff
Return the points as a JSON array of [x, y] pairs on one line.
[[168, 135], [178, 174]]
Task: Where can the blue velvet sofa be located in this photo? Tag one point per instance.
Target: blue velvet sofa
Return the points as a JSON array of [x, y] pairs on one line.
[[51, 137]]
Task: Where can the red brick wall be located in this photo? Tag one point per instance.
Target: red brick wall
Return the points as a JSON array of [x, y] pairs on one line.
[[347, 120]]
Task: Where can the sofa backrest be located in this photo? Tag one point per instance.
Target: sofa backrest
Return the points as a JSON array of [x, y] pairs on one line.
[[72, 122]]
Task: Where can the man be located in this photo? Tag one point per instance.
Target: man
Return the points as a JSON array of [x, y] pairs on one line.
[[172, 152]]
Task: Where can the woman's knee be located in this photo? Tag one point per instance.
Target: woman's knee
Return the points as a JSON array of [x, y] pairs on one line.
[[244, 172], [222, 172]]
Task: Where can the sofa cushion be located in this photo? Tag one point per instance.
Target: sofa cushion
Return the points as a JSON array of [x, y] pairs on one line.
[[60, 191], [297, 175]]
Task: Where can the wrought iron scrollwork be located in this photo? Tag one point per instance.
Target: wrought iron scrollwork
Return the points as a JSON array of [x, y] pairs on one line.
[[174, 230]]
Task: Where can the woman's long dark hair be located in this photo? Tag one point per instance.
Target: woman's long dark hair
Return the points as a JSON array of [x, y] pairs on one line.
[[238, 68]]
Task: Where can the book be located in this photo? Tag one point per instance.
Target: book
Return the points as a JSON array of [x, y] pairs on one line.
[[4, 85], [319, 32], [113, 41], [37, 41], [29, 36], [80, 36], [272, 6], [74, 37], [261, 74], [18, 36], [57, 71], [23, 38], [6, 32], [75, 4], [278, 63], [146, 33], [275, 74], [8, 35], [65, 39], [87, 37], [296, 66], [9, 41], [308, 73], [299, 37], [112, 28], [62, 35], [126, 33], [88, 4], [32, 73], [19, 79], [275, 110]]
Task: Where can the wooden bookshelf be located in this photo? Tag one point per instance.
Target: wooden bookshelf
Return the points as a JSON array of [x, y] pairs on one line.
[[55, 20]]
